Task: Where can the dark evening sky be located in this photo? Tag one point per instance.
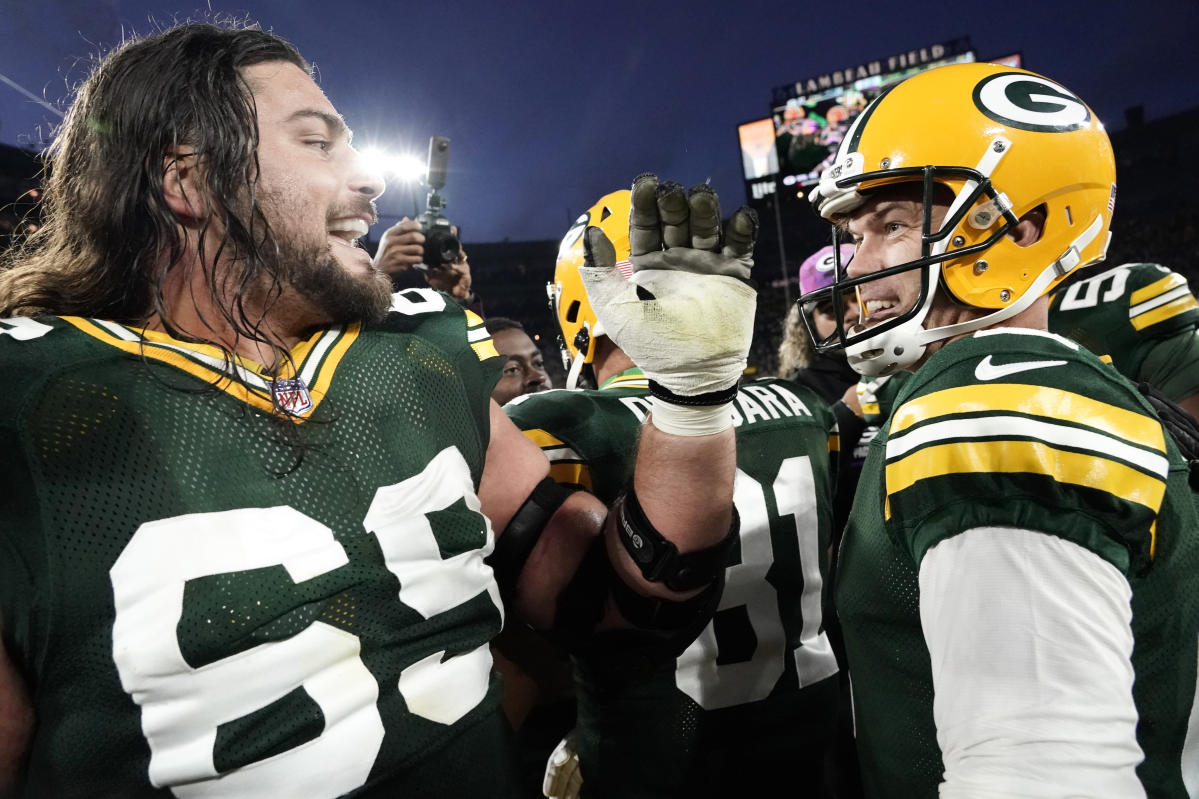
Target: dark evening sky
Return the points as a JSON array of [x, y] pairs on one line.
[[550, 104]]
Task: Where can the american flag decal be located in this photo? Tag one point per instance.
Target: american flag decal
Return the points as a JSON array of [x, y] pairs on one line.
[[1111, 200], [626, 269]]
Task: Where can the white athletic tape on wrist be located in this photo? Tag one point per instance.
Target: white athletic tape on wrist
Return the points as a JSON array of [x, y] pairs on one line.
[[690, 420]]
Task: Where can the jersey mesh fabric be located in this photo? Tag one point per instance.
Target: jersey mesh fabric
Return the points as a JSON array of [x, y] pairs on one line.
[[109, 441], [642, 730], [1014, 461]]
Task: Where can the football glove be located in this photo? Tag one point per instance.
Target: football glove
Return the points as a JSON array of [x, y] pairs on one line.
[[562, 780], [686, 315]]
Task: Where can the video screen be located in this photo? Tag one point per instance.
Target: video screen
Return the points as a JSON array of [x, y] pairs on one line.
[[759, 158], [809, 128]]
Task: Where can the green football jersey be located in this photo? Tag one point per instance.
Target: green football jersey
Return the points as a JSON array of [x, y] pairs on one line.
[[1143, 316], [753, 693], [1043, 437], [208, 600]]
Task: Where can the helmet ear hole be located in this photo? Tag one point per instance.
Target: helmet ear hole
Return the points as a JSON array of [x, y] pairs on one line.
[[572, 313]]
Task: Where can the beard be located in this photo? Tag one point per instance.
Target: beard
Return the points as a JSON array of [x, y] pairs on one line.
[[310, 268], [317, 276]]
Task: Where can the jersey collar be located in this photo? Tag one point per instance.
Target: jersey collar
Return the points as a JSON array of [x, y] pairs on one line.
[[299, 387], [629, 378]]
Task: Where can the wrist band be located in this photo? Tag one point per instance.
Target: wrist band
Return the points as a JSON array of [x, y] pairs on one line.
[[684, 420]]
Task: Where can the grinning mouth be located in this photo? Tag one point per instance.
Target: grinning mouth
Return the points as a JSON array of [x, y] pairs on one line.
[[348, 229]]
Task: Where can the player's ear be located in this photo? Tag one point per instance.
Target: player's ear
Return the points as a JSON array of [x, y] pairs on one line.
[[1030, 228], [181, 183]]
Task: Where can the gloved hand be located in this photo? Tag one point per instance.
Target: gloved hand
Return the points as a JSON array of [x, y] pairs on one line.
[[686, 316], [562, 780]]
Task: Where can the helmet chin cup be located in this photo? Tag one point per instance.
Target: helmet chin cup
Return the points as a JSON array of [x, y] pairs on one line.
[[890, 352]]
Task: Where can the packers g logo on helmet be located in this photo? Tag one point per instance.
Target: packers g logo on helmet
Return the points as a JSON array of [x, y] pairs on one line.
[[577, 324], [1030, 102]]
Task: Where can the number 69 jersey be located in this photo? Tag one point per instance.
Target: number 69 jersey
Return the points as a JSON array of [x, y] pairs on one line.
[[753, 691], [208, 600]]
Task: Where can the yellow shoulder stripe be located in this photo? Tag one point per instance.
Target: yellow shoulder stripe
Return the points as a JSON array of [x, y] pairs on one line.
[[480, 339], [1035, 401], [1170, 281], [1162, 312], [1029, 457]]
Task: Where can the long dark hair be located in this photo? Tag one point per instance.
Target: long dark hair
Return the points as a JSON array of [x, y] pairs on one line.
[[109, 238]]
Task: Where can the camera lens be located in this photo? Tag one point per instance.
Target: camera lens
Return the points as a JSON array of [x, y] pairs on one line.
[[441, 248]]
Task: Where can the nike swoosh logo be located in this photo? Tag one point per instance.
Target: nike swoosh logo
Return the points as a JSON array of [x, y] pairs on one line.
[[990, 371]]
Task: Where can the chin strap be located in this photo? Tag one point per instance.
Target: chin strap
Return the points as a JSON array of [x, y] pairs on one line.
[[576, 369]]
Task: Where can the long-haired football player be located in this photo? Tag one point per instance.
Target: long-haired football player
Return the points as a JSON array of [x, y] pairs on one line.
[[259, 515]]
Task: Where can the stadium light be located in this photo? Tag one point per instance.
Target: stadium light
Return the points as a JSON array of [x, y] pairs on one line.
[[405, 167]]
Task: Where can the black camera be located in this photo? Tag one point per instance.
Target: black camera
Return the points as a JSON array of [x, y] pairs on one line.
[[441, 245]]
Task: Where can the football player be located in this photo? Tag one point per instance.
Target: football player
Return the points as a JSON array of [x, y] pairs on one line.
[[1141, 315], [1018, 579], [250, 497], [827, 373], [757, 688], [524, 372]]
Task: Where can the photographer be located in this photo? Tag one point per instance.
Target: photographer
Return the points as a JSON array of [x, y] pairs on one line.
[[402, 248]]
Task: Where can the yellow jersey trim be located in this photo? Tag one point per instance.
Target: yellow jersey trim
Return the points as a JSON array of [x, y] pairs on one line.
[[314, 360], [1032, 400]]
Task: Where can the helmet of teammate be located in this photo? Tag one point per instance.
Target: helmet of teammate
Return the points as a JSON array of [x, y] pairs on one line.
[[577, 325], [820, 268], [1004, 141]]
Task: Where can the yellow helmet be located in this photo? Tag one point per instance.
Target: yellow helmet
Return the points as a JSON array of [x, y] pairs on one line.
[[1005, 141], [577, 325]]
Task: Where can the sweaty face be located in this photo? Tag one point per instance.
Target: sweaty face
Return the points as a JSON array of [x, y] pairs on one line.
[[524, 373], [317, 194]]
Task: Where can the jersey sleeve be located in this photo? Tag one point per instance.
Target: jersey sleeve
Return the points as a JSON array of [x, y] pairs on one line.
[[547, 421], [459, 334], [1172, 364], [1062, 446], [22, 552], [1143, 316], [589, 437]]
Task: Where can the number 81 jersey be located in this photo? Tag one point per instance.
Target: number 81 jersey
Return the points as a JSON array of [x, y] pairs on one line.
[[206, 599], [752, 691]]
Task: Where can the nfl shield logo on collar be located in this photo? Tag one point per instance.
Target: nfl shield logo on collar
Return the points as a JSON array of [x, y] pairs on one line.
[[292, 396]]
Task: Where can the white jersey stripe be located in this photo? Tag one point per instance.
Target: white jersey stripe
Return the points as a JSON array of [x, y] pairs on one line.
[[1010, 427]]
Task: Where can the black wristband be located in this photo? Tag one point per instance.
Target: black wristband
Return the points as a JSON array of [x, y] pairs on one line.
[[658, 559], [698, 400]]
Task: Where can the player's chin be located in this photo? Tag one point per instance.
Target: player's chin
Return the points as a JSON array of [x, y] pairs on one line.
[[352, 258]]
